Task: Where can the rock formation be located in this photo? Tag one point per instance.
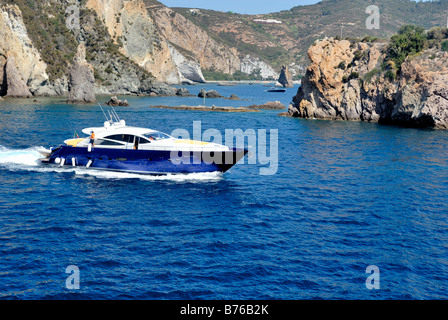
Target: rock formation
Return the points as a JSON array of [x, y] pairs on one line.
[[285, 78], [182, 92], [135, 47], [347, 82], [115, 102], [82, 80], [15, 42], [184, 34], [16, 86], [271, 105], [130, 25], [209, 94], [189, 70]]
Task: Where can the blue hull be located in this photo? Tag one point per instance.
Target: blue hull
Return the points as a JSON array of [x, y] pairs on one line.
[[151, 162]]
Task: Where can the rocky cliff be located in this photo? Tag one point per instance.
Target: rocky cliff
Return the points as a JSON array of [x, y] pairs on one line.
[[43, 48], [184, 34], [82, 79], [133, 46], [354, 81], [27, 67]]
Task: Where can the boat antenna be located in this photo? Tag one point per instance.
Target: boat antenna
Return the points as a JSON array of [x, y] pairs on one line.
[[115, 114], [110, 115], [102, 110]]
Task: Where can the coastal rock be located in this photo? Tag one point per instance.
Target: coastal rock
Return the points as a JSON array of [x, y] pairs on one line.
[[16, 86], [285, 78], [182, 92], [82, 80], [271, 105], [209, 94], [115, 102], [344, 82]]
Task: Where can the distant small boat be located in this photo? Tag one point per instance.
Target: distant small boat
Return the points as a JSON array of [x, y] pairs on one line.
[[276, 90]]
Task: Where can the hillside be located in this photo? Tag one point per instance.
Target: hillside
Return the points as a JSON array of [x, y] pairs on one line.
[[140, 46], [287, 42]]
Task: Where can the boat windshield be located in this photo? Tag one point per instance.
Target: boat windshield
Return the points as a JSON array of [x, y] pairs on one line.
[[154, 136]]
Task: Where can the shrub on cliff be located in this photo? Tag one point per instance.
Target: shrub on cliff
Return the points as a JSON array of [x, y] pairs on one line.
[[445, 46], [409, 40]]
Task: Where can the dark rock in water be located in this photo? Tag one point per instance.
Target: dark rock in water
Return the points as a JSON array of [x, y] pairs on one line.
[[182, 92], [115, 102], [16, 85], [82, 80], [234, 97], [272, 105], [285, 78], [209, 94]]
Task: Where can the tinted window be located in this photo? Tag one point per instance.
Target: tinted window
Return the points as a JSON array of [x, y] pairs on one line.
[[144, 141], [156, 136], [122, 138], [108, 143]]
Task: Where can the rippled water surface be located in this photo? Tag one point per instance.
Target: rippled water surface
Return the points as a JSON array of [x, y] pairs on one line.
[[345, 196]]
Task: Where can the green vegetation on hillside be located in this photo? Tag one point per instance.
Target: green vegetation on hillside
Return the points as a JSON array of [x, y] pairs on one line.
[[46, 27], [412, 40], [289, 41], [48, 32]]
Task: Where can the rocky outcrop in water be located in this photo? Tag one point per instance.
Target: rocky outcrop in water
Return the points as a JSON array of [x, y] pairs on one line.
[[115, 102], [271, 105], [285, 78], [82, 79], [209, 94], [346, 81]]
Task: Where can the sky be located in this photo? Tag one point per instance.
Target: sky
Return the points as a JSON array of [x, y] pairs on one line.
[[239, 6]]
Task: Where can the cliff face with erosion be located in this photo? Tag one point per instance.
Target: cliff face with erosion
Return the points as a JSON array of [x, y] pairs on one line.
[[346, 81], [82, 80], [184, 34], [25, 63]]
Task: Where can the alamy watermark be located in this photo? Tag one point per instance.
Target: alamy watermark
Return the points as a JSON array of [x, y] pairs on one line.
[[72, 20], [373, 21], [72, 281], [373, 280], [262, 147]]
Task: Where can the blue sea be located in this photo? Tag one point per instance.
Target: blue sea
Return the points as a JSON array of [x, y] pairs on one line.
[[346, 196]]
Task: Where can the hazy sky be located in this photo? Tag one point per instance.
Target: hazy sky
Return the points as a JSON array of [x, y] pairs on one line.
[[240, 6]]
